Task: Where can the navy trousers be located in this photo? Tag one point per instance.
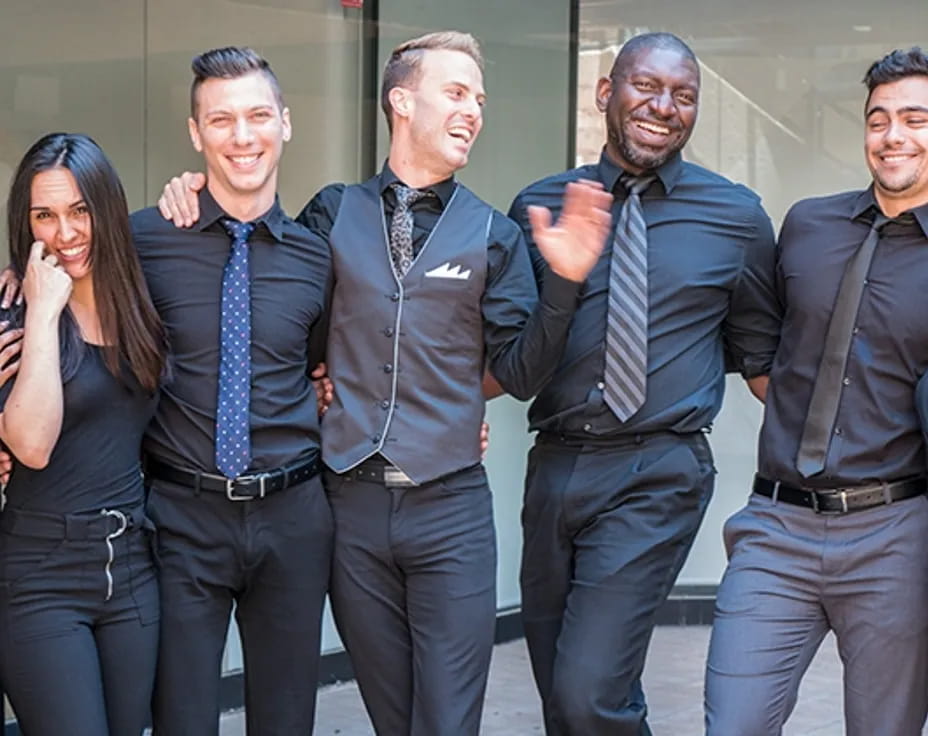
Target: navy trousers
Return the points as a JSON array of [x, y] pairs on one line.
[[606, 531]]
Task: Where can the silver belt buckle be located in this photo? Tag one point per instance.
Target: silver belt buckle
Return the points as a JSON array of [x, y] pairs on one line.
[[233, 496], [393, 476]]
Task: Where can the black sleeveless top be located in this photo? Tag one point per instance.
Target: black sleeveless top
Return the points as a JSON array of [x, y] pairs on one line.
[[95, 463]]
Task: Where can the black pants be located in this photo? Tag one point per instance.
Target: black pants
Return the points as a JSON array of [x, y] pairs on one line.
[[272, 558], [414, 598], [606, 531], [78, 647]]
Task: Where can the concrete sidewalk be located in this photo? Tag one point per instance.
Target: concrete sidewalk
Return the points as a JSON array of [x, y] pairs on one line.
[[673, 683]]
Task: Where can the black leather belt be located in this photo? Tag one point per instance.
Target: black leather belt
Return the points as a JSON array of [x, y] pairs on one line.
[[88, 525], [380, 472], [840, 500], [244, 488]]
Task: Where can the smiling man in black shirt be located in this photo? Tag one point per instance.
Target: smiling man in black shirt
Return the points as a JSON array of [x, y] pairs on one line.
[[835, 536], [621, 472], [245, 522]]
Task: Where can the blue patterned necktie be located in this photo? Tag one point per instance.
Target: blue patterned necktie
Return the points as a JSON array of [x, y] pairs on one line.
[[401, 227], [233, 429], [626, 367]]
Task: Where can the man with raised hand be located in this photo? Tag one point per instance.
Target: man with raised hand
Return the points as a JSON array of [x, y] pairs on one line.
[[621, 471]]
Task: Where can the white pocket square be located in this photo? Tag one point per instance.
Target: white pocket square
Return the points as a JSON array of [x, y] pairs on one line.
[[447, 271]]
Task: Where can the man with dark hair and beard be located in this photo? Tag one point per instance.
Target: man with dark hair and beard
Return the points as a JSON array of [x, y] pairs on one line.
[[835, 535], [621, 472]]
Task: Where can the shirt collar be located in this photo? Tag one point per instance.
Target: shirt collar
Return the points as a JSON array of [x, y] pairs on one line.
[[443, 189], [866, 204], [211, 213], [669, 172]]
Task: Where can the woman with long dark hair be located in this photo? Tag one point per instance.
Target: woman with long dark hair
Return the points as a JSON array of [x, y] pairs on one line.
[[78, 593]]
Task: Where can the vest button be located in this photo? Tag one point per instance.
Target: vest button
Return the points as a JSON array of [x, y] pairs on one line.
[[375, 439], [395, 297], [388, 331], [388, 367], [385, 404]]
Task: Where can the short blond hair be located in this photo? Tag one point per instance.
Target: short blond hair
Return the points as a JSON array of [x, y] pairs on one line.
[[405, 63]]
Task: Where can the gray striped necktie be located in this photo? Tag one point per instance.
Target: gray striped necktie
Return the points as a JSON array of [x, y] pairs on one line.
[[826, 391], [627, 321]]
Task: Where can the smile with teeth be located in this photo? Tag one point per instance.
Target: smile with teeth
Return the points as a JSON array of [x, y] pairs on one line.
[[892, 158], [653, 127], [461, 132], [244, 160], [72, 252]]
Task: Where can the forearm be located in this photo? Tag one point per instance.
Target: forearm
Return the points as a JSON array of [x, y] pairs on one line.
[[524, 363], [31, 420]]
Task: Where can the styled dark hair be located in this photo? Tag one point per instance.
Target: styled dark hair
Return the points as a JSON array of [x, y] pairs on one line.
[[132, 331], [649, 41], [405, 63], [230, 62], [896, 65]]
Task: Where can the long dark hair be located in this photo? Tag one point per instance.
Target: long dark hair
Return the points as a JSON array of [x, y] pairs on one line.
[[132, 332]]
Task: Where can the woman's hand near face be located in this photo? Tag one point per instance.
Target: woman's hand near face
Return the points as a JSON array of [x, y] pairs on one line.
[[46, 286]]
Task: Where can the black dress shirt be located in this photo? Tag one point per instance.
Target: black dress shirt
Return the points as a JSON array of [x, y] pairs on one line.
[[711, 300], [877, 434], [289, 271], [519, 342]]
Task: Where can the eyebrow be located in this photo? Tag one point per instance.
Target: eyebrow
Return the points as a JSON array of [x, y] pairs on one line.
[[70, 206], [907, 108]]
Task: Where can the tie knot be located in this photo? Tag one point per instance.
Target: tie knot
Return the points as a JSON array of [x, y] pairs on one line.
[[407, 196], [636, 184], [238, 231]]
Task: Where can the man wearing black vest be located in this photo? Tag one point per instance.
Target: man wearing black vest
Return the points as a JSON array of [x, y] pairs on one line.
[[621, 472], [835, 535], [430, 285]]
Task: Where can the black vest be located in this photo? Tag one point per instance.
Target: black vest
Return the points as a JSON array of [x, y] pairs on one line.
[[407, 356]]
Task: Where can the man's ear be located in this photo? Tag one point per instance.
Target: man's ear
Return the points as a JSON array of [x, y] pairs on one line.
[[401, 101], [603, 93], [286, 128], [194, 135]]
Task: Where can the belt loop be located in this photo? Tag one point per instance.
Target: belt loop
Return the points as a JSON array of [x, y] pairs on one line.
[[776, 491], [887, 496], [196, 484]]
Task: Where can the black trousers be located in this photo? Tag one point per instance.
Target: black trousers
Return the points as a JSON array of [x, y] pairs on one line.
[[272, 558], [414, 598], [606, 531], [78, 646]]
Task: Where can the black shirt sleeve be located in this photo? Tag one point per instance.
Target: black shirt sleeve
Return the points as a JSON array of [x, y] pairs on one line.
[[524, 334], [752, 327], [318, 216]]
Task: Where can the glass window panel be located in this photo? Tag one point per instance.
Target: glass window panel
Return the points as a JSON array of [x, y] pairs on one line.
[[780, 111]]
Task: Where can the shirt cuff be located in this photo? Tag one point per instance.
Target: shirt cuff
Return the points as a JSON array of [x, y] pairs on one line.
[[560, 293]]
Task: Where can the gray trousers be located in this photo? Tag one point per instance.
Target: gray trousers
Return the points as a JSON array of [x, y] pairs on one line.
[[413, 592], [606, 531], [794, 575]]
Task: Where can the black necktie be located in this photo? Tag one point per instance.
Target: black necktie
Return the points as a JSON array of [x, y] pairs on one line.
[[401, 227], [626, 367], [826, 393]]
